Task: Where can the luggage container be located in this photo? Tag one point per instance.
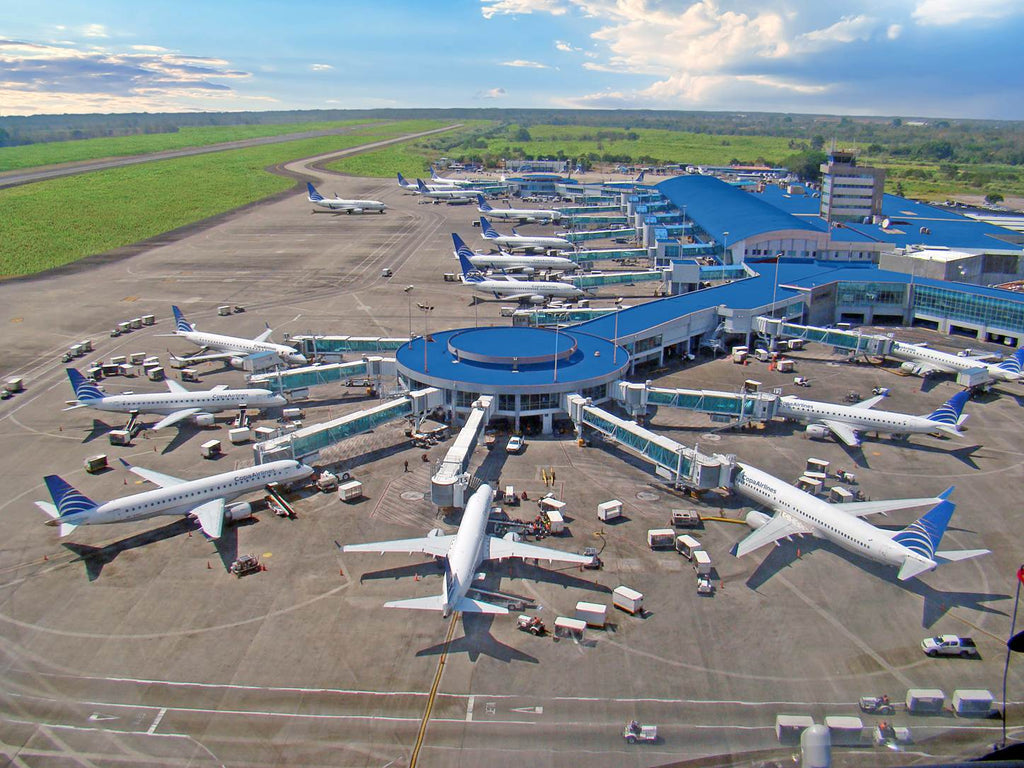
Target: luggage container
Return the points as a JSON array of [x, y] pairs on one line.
[[150, 361], [685, 518], [570, 628], [628, 600], [661, 538], [125, 369], [741, 350], [76, 350], [811, 485], [785, 366], [14, 384], [750, 386], [788, 728], [594, 614], [761, 354], [302, 393], [509, 497], [969, 702], [119, 437], [817, 468], [845, 731], [701, 562], [609, 510], [260, 434], [686, 545], [923, 701], [795, 345], [555, 521], [86, 345], [135, 323], [124, 327], [839, 495], [353, 489], [118, 359], [190, 374], [291, 414], [96, 463], [739, 357], [149, 319], [156, 373], [210, 449], [224, 310], [137, 358], [239, 435]]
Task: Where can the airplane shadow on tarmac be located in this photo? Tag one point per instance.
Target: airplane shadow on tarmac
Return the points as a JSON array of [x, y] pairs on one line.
[[936, 602], [478, 641], [96, 558]]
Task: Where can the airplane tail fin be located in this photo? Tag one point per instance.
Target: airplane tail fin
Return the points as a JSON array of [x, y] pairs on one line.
[[924, 534], [433, 173], [482, 204], [67, 501], [487, 230], [85, 390], [470, 274], [421, 186], [402, 182], [181, 325], [314, 196], [640, 178], [949, 415], [1014, 363]]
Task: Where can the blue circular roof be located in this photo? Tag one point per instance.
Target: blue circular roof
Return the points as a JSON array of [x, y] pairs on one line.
[[493, 360]]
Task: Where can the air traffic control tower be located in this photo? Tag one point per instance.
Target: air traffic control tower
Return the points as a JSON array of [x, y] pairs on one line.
[[526, 370]]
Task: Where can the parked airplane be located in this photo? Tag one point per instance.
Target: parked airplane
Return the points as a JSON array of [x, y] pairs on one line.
[[340, 205], [205, 498], [522, 215], [923, 361], [230, 347], [845, 421], [447, 193], [508, 262], [526, 242], [913, 550], [463, 553], [175, 405], [535, 291]]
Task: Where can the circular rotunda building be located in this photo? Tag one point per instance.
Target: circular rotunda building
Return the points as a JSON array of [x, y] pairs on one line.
[[527, 370]]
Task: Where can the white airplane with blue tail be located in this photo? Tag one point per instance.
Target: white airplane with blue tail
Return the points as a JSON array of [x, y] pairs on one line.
[[340, 205], [526, 242], [510, 262], [533, 291], [924, 361], [231, 348], [521, 215]]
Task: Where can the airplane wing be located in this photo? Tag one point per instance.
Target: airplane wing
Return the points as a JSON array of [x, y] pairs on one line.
[[844, 432], [499, 549], [862, 508], [923, 369], [157, 478], [211, 517], [265, 335], [175, 388], [220, 388], [174, 418], [437, 546], [212, 356], [779, 527], [871, 402]]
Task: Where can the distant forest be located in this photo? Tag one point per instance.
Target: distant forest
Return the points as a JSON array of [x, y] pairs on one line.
[[909, 139]]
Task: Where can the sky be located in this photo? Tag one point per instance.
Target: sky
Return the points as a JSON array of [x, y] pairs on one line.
[[927, 58]]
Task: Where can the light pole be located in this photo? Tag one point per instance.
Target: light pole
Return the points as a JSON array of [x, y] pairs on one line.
[[775, 290], [725, 246], [408, 295], [615, 336], [426, 310]]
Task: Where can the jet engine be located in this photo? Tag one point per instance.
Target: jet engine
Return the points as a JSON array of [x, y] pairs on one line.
[[536, 299], [817, 431], [239, 511], [238, 363], [512, 536], [757, 519], [435, 532]]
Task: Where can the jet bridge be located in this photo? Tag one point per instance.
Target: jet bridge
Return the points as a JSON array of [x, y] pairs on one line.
[[290, 379], [607, 254], [583, 220], [851, 341], [584, 210], [743, 406], [683, 467], [317, 346], [308, 441], [449, 483], [599, 234], [619, 278]]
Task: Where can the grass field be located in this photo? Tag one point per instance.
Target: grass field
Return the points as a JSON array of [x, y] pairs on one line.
[[109, 209], [31, 155]]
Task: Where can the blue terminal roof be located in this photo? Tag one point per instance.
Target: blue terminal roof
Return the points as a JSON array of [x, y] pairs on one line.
[[582, 358], [719, 207], [906, 217]]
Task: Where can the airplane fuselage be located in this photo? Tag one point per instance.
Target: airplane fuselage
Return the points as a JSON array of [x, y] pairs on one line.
[[352, 206], [524, 289], [521, 214], [864, 419], [918, 354], [241, 346], [465, 554], [827, 521], [172, 402], [183, 497], [512, 242], [507, 261]]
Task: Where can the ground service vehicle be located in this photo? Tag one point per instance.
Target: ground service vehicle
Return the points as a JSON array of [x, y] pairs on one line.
[[531, 624], [634, 732], [876, 705], [949, 645]]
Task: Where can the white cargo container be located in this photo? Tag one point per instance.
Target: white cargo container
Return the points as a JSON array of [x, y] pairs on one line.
[[572, 628], [661, 538], [137, 358], [156, 373], [845, 731], [263, 433], [609, 510], [556, 523], [210, 449], [686, 546], [702, 563], [14, 384], [839, 495], [969, 702], [788, 728], [925, 700], [86, 345], [239, 435], [353, 489], [135, 323], [150, 361], [628, 600], [594, 614], [96, 463], [224, 310], [291, 414], [119, 437], [149, 319], [785, 366]]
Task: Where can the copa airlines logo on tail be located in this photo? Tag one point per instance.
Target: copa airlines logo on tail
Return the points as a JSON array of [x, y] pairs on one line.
[[1013, 364], [180, 323], [924, 535], [482, 204], [949, 412], [85, 390], [68, 500], [488, 231], [313, 194]]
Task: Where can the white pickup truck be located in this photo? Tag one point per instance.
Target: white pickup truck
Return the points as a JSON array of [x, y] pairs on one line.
[[949, 645]]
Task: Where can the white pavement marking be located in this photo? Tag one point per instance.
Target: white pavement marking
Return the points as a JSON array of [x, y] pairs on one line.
[[469, 709], [156, 720]]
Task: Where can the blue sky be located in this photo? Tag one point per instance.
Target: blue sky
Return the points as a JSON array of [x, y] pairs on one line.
[[951, 58]]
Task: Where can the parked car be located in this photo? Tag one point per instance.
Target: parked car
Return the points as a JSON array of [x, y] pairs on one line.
[[949, 645], [515, 444]]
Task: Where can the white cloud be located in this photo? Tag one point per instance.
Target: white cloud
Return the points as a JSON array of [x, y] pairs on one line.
[[949, 12], [149, 48], [848, 29], [525, 64], [491, 8], [562, 45], [493, 93], [320, 67], [95, 30], [894, 31]]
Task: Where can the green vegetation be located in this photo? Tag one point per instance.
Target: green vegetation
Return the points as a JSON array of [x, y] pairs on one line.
[[412, 159], [52, 223], [32, 155]]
